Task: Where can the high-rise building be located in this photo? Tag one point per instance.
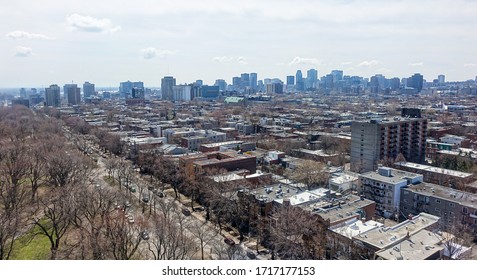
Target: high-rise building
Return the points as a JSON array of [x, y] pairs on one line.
[[180, 93], [210, 92], [167, 88], [300, 85], [125, 88], [375, 141], [52, 96], [311, 78], [23, 93], [441, 79], [253, 81], [245, 78], [236, 83], [290, 80], [416, 81], [221, 83], [72, 94], [337, 75], [88, 89]]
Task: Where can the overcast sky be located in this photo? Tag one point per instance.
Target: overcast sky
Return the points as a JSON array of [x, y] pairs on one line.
[[108, 41]]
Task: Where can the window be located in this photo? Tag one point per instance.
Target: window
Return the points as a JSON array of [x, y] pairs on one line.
[[438, 201], [465, 210], [438, 209], [405, 200], [451, 204]]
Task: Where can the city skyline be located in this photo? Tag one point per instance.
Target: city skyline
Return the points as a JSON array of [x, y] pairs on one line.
[[106, 42]]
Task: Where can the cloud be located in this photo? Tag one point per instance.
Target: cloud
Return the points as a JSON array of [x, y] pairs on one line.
[[369, 63], [470, 65], [304, 60], [222, 59], [225, 59], [346, 63], [18, 35], [241, 60], [23, 51], [150, 53], [416, 64], [91, 24]]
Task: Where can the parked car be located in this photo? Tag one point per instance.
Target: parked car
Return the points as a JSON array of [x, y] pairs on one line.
[[145, 199], [186, 211], [199, 208], [229, 241], [132, 189], [160, 194], [264, 252], [251, 255], [144, 235]]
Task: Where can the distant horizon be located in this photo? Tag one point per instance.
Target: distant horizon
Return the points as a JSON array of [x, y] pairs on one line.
[[47, 42]]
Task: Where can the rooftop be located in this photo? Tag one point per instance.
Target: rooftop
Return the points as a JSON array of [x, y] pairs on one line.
[[464, 198], [354, 227], [384, 237], [419, 246], [397, 176], [434, 169]]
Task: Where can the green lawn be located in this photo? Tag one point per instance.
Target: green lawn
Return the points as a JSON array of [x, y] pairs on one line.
[[31, 247]]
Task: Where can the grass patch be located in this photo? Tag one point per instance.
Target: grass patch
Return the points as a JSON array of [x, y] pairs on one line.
[[110, 180], [31, 246]]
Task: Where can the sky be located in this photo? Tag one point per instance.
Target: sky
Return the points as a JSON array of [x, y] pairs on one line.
[[45, 42]]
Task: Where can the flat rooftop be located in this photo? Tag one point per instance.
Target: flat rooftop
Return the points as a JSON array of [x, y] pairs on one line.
[[463, 198], [397, 176], [384, 237], [419, 246], [354, 227], [433, 169]]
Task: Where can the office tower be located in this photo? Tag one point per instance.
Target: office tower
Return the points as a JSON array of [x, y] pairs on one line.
[[199, 82], [52, 96], [245, 77], [375, 141], [210, 92], [274, 87], [221, 83], [337, 75], [311, 78], [394, 83], [181, 93], [167, 88], [416, 81], [125, 88], [72, 94], [441, 79], [138, 93], [88, 90], [253, 81], [290, 80], [236, 83], [260, 86], [300, 85], [23, 93]]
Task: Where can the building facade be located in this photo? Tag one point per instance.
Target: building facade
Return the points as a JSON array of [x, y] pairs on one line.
[[375, 141], [52, 96], [454, 207], [384, 187]]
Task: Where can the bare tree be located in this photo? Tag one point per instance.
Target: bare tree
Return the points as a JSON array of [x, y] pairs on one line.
[[204, 235], [169, 240], [59, 213], [311, 173], [297, 234], [123, 236]]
